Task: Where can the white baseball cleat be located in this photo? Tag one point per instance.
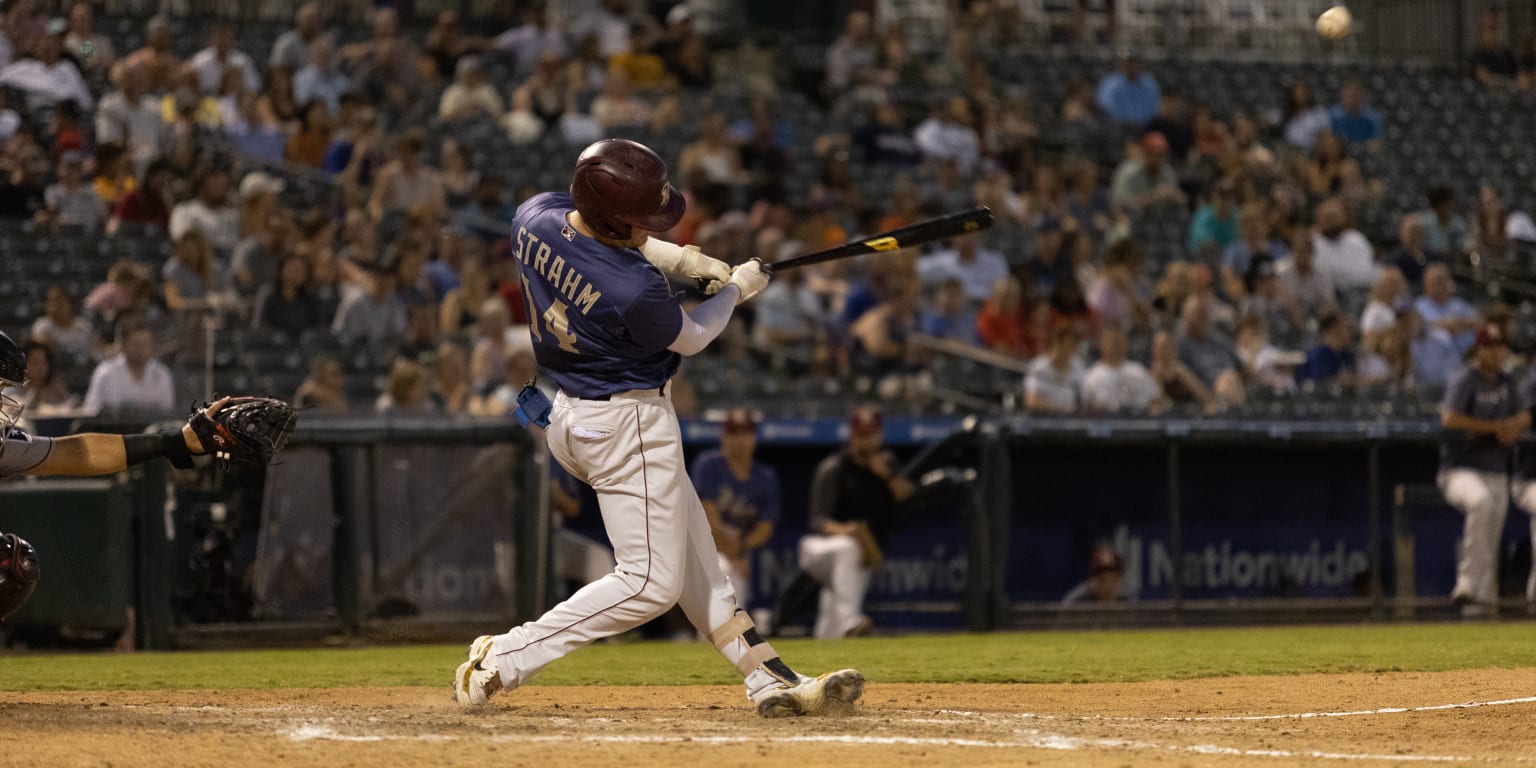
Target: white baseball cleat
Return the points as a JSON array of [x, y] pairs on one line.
[[476, 679], [831, 694]]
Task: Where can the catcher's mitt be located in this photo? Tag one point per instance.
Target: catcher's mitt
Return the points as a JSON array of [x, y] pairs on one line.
[[247, 430]]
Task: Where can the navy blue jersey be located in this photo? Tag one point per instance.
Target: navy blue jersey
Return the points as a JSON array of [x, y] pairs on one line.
[[742, 503], [601, 317]]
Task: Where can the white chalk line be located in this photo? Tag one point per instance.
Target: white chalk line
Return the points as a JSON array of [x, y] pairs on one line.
[[1002, 716], [1023, 738]]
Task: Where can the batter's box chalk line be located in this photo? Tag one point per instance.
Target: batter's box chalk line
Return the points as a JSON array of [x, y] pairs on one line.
[[996, 716]]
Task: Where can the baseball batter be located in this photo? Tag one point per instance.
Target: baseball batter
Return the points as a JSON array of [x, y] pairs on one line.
[[102, 454], [1483, 417], [608, 331]]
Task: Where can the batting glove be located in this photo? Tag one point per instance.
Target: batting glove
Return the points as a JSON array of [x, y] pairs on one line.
[[685, 260], [750, 278]]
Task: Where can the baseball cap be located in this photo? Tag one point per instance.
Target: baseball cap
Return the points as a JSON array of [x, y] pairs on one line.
[[739, 420], [1104, 560], [258, 183], [865, 420], [1491, 334]]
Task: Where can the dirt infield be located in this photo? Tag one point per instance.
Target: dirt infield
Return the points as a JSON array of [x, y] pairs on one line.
[[1371, 719]]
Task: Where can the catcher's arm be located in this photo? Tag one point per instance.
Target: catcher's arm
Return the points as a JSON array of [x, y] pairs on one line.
[[96, 453]]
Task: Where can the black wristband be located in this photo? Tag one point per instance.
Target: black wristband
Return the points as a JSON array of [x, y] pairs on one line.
[[141, 448]]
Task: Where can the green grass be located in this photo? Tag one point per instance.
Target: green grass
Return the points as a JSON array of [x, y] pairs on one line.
[[1040, 657]]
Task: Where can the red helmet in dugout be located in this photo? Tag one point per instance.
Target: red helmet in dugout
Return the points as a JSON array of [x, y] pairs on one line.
[[620, 185]]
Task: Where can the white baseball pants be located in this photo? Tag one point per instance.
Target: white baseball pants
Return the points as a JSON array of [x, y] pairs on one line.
[[1483, 499], [838, 563], [629, 449], [1525, 498]]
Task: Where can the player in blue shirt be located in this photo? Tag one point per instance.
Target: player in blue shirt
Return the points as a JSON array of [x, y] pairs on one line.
[[609, 333], [741, 497]]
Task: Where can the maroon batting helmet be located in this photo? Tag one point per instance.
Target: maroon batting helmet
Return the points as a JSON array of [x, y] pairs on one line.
[[620, 184]]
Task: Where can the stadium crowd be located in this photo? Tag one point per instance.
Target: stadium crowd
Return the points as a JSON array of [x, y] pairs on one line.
[[1274, 288]]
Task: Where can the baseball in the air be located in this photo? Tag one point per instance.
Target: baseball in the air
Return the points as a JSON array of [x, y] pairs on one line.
[[1334, 23]]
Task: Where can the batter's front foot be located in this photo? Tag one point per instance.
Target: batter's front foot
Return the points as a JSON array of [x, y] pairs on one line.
[[476, 679], [831, 694]]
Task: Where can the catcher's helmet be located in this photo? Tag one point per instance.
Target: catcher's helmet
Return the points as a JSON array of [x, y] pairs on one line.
[[18, 573], [13, 373], [619, 185]]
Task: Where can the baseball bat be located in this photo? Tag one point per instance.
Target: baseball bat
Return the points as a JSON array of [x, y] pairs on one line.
[[950, 225]]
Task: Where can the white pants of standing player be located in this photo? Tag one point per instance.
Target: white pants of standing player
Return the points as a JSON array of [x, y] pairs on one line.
[[1525, 498], [629, 449], [1483, 499], [838, 563]]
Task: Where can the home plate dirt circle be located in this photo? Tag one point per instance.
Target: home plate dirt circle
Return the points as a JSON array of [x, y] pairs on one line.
[[1480, 717]]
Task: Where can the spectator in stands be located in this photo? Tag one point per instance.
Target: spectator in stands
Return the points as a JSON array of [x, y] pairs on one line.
[[1113, 295], [277, 96], [1332, 361], [853, 58], [421, 338], [790, 319], [740, 494], [461, 305], [69, 200], [21, 179], [160, 63], [406, 184], [1129, 95], [1525, 81], [1302, 119], [1387, 359], [1179, 383], [325, 388], [209, 211], [133, 381], [949, 316], [447, 44], [1445, 231], [44, 392], [1254, 242], [522, 124], [47, 77], [1055, 379], [1300, 277], [1431, 350], [1483, 418], [1264, 364], [1389, 296], [1105, 584], [1339, 250], [977, 268], [61, 328], [1201, 347], [193, 278], [949, 134], [491, 351], [1172, 121], [1145, 178], [1353, 120], [1265, 299], [1411, 258], [408, 391], [854, 497], [1215, 223], [1496, 228], [93, 51], [1441, 308], [1001, 322], [221, 56], [637, 64], [375, 315], [878, 340], [320, 79], [529, 42], [286, 304], [617, 107], [458, 178], [687, 56], [384, 66], [470, 97], [451, 392], [1493, 61], [712, 154], [126, 290], [131, 117], [150, 203], [884, 138], [308, 145], [1117, 385], [292, 49]]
